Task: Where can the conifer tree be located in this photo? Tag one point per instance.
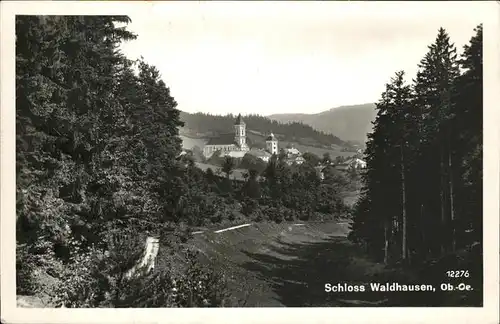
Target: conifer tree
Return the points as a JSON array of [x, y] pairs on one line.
[[433, 89], [467, 126]]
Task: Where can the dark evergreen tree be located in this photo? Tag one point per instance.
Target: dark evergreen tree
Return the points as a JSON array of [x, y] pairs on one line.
[[467, 145], [326, 159], [433, 90], [311, 158]]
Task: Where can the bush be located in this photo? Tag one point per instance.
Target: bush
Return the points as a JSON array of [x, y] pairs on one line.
[[289, 215], [196, 287], [257, 216], [249, 206], [183, 232], [200, 286], [25, 264], [99, 279], [217, 217]]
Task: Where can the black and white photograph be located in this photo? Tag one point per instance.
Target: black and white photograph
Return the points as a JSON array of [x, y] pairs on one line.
[[253, 155]]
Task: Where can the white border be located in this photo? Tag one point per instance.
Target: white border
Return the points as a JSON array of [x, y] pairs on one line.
[[11, 314]]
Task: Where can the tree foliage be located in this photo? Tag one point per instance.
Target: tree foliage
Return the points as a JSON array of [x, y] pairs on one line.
[[97, 145], [422, 195]]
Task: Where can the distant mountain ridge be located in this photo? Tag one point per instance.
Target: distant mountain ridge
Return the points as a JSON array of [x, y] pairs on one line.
[[350, 123]]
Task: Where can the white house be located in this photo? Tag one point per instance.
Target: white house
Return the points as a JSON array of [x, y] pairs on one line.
[[358, 163], [297, 159], [351, 164], [292, 151]]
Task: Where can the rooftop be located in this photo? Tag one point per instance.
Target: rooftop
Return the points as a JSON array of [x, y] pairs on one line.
[[222, 139], [271, 137], [293, 150], [259, 153]]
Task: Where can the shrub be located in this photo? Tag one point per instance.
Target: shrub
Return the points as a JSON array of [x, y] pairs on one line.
[[99, 279], [200, 286], [257, 216], [289, 214], [25, 264], [249, 206]]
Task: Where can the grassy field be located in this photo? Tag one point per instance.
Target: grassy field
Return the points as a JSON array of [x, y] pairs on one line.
[[259, 140], [320, 151], [189, 142], [254, 258], [273, 265]]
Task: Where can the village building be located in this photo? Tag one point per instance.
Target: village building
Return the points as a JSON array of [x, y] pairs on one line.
[[292, 151], [293, 156], [261, 154], [272, 144], [295, 159], [235, 144], [354, 163], [232, 144]]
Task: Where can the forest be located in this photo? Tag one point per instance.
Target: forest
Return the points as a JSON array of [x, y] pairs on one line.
[[421, 202], [99, 168]]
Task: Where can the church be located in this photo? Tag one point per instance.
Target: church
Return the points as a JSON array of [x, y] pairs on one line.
[[235, 144]]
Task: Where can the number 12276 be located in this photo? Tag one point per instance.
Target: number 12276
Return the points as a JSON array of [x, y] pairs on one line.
[[457, 273]]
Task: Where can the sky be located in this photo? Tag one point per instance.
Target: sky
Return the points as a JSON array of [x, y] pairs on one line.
[[289, 57]]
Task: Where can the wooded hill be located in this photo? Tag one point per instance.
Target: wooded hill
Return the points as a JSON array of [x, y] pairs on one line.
[[292, 132], [350, 123]]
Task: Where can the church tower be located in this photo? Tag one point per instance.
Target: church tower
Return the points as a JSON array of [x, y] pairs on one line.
[[240, 135], [272, 144]]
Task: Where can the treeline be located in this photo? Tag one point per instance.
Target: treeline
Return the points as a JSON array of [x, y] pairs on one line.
[[273, 191], [99, 168], [422, 196], [282, 192], [206, 123]]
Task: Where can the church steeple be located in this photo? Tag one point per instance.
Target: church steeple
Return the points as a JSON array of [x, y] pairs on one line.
[[239, 120], [272, 144], [240, 135]]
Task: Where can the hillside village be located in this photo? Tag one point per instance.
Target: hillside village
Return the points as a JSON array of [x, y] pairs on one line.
[[236, 146]]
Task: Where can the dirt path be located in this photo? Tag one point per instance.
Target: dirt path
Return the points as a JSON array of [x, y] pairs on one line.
[[271, 265]]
